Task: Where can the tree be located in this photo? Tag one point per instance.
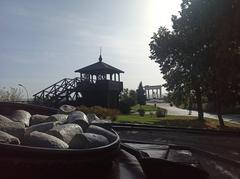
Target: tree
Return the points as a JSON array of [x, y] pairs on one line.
[[226, 56], [11, 95], [127, 100], [133, 97], [175, 60], [141, 97], [201, 53], [129, 96], [218, 27]]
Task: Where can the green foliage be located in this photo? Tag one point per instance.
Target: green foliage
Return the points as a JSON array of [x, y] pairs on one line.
[[176, 121], [141, 97], [145, 107], [124, 107], [129, 96], [11, 95], [141, 112], [101, 112], [133, 97], [127, 100], [161, 112], [201, 53]]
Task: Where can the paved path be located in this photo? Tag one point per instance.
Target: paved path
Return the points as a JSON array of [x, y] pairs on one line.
[[173, 110]]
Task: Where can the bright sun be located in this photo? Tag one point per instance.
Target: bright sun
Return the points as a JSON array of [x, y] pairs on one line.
[[160, 12]]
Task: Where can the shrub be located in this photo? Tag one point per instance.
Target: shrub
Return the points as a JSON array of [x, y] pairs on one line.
[[101, 112], [12, 94], [129, 96], [161, 112], [84, 109], [112, 114], [151, 113], [124, 107], [141, 112]]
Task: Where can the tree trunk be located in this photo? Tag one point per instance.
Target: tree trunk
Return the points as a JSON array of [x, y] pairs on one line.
[[199, 104], [219, 109]]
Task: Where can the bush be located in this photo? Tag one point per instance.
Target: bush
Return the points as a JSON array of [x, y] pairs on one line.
[[112, 114], [141, 112], [12, 94], [151, 113], [129, 96], [101, 112], [124, 107], [84, 109], [161, 112]]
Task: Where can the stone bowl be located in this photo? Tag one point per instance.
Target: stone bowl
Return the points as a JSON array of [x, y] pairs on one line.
[[7, 108], [36, 162], [19, 161]]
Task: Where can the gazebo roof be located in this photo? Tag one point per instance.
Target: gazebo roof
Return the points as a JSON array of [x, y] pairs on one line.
[[99, 68]]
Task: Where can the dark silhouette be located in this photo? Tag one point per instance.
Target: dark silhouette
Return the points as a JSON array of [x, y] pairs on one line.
[[99, 84], [201, 53], [128, 98], [141, 97]]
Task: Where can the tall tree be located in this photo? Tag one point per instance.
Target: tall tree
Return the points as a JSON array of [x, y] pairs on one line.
[[201, 53], [127, 100], [174, 56], [133, 97], [129, 96], [226, 61], [141, 97]]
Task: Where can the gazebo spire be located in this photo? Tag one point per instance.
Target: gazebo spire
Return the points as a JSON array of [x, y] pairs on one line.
[[100, 56]]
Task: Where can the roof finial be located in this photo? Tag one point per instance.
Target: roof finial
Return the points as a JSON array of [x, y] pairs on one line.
[[100, 56]]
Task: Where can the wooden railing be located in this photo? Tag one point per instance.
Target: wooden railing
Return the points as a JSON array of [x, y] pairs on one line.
[[68, 90], [61, 90]]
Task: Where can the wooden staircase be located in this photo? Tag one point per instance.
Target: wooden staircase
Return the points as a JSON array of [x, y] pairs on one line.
[[63, 91]]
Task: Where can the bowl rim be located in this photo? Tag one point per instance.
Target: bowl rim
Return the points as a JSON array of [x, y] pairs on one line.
[[25, 148]]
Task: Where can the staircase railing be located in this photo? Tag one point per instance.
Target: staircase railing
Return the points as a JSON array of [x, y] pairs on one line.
[[54, 93]]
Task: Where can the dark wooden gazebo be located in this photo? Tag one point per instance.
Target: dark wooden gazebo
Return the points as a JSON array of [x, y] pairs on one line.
[[100, 84]]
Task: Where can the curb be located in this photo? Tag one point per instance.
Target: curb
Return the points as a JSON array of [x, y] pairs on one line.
[[129, 126]]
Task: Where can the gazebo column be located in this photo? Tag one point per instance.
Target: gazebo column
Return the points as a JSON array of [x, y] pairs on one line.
[[115, 77], [118, 77], [146, 93], [160, 89], [111, 77]]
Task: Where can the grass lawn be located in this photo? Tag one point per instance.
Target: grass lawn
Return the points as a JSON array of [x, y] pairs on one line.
[[176, 121], [145, 107]]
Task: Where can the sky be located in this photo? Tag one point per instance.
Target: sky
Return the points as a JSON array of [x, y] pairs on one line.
[[45, 41]]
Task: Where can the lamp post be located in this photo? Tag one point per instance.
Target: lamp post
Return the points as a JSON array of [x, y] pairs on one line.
[[25, 90]]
